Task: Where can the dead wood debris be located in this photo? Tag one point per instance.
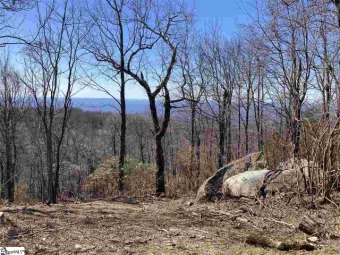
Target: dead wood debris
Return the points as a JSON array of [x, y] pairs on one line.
[[27, 210], [317, 227], [312, 226], [265, 242]]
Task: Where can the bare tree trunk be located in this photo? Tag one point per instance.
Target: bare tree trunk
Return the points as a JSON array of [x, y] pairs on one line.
[[114, 144], [222, 119], [229, 133], [9, 171], [111, 18], [296, 127], [327, 97], [261, 134], [338, 100], [141, 149], [159, 133], [49, 156], [258, 111], [192, 134], [160, 161], [246, 126], [198, 157], [221, 141], [122, 152], [239, 123], [337, 5], [2, 183]]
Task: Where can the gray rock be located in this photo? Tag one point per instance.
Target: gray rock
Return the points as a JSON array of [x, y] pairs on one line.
[[243, 220], [312, 239], [245, 184]]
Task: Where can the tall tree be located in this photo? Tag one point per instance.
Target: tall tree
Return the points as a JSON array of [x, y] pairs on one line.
[[12, 103], [286, 29], [324, 64], [114, 32], [191, 68], [51, 73], [220, 78], [152, 37], [337, 5]]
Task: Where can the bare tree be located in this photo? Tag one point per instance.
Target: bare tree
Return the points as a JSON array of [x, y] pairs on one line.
[[220, 79], [286, 29], [151, 25], [325, 59], [9, 33], [247, 63], [141, 129], [51, 73], [114, 31], [12, 103], [16, 5], [190, 69], [337, 5]]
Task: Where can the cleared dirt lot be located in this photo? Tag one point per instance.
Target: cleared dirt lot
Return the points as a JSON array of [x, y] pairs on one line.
[[155, 226]]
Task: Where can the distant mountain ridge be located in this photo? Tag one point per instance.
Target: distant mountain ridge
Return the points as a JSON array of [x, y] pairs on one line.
[[110, 105]]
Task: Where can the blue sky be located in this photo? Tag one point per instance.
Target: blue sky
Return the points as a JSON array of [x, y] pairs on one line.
[[228, 13]]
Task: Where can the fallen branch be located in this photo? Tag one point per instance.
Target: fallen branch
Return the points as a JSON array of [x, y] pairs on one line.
[[265, 242], [24, 210], [281, 222]]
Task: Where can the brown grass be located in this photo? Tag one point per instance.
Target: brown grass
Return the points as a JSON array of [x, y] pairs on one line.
[[191, 172], [104, 181], [277, 149], [141, 180], [318, 160], [21, 195], [321, 148]]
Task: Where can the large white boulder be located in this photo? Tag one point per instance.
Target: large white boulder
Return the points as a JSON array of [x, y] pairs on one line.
[[244, 184], [212, 187]]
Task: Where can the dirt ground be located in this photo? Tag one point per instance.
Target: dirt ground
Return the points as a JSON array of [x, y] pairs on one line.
[[159, 226]]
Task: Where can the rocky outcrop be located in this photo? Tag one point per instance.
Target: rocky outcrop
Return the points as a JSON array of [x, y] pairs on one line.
[[212, 188], [265, 182], [234, 179]]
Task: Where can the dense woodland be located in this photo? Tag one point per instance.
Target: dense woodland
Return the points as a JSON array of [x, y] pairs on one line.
[[274, 87]]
